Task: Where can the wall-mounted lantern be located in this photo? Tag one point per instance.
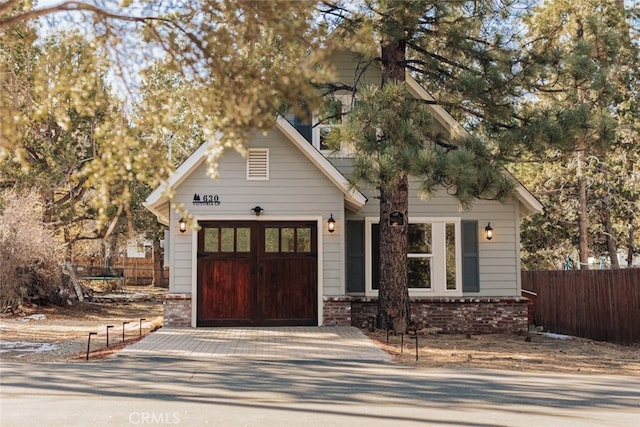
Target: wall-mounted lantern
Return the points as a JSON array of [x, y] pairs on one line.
[[257, 210], [488, 230], [182, 225], [331, 224]]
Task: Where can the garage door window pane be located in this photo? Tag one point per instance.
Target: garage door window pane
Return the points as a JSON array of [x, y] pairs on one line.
[[227, 239], [243, 240], [211, 239], [304, 240], [288, 240], [271, 240]]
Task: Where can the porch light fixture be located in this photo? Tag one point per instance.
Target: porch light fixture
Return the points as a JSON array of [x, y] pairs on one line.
[[331, 224], [257, 210], [488, 230], [182, 225]]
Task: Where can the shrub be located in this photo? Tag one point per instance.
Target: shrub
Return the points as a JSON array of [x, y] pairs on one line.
[[30, 254]]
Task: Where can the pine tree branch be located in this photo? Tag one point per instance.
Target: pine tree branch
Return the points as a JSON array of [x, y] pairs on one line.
[[425, 71], [334, 87], [553, 159], [333, 9], [440, 58]]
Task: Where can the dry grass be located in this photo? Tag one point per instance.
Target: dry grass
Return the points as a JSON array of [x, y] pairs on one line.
[[67, 328], [538, 353]]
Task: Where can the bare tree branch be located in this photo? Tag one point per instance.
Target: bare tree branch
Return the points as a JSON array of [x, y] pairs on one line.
[[71, 6]]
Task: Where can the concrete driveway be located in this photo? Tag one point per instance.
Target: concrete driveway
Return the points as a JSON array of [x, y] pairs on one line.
[[157, 387], [299, 343]]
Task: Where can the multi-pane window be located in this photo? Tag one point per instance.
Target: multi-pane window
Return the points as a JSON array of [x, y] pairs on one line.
[[227, 239], [287, 239], [419, 256], [329, 118], [433, 250], [315, 127]]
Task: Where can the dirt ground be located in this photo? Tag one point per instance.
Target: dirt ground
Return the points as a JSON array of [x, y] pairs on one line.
[[539, 352], [58, 334]]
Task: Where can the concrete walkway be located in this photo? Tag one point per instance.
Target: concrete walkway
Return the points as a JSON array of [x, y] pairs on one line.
[[291, 343]]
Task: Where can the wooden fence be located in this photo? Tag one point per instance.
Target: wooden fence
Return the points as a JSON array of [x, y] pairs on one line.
[[135, 271], [602, 305]]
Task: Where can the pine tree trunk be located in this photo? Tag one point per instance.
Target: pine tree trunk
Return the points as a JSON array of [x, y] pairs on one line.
[[630, 249], [158, 264], [609, 235], [393, 297], [583, 227]]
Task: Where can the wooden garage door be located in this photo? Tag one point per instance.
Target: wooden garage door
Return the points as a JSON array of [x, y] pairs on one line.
[[257, 273]]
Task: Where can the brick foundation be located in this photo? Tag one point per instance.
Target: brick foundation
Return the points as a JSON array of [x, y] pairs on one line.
[[449, 315], [177, 310], [336, 311]]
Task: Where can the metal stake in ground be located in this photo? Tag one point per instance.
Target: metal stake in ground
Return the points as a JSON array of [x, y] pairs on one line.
[[108, 327], [141, 325], [124, 323], [415, 337], [89, 343]]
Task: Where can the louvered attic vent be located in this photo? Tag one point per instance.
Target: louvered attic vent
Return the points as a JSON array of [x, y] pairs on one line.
[[258, 164]]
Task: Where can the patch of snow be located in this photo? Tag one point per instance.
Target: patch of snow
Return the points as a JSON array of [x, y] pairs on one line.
[[32, 317], [26, 347], [124, 295], [556, 336]]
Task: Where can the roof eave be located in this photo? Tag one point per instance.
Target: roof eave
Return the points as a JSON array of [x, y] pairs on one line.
[[354, 200], [528, 201]]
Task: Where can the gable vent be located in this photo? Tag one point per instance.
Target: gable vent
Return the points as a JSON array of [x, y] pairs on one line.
[[258, 164]]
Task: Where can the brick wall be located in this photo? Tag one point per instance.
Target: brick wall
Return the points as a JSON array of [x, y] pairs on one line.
[[450, 315], [456, 315], [177, 310], [336, 311]]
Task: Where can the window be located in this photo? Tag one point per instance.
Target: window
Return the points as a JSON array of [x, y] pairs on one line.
[[227, 239], [419, 256], [287, 239], [433, 256], [335, 106], [315, 127], [258, 164]]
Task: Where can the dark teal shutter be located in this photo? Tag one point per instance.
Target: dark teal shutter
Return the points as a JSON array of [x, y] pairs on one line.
[[355, 256], [375, 256], [470, 258]]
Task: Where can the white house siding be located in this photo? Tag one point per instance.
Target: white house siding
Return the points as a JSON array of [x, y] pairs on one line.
[[296, 190], [499, 258]]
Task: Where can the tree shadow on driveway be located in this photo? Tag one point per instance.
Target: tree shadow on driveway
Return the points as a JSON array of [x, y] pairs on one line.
[[361, 391]]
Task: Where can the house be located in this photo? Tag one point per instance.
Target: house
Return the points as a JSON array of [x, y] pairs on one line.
[[285, 240]]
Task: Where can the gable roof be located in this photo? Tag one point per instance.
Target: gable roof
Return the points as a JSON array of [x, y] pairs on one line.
[[528, 202], [159, 204], [158, 201]]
